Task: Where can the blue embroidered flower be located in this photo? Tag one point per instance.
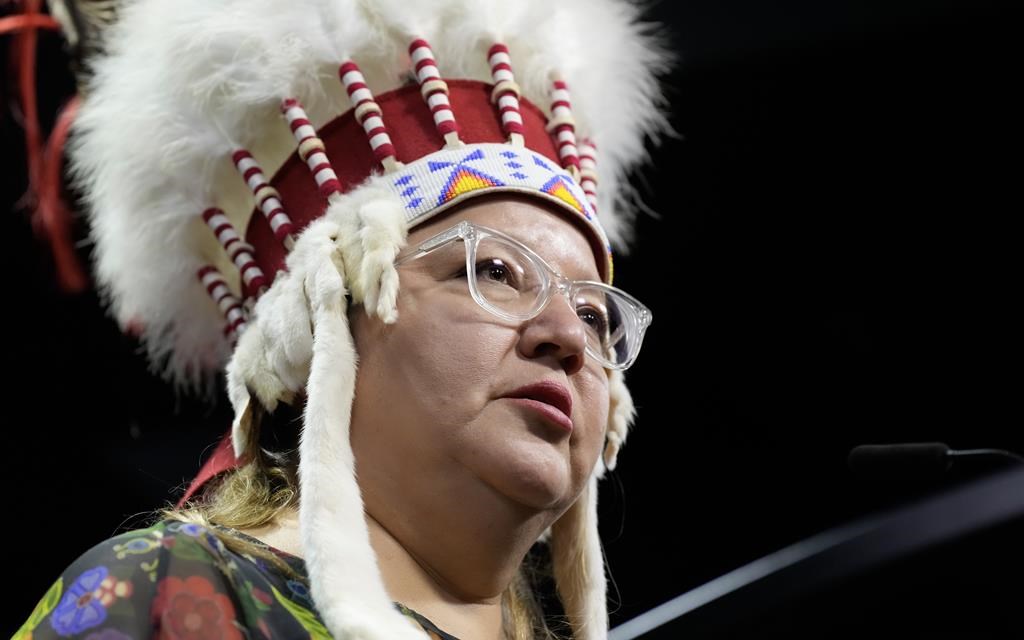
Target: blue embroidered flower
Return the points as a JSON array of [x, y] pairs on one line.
[[301, 592], [138, 545], [191, 529], [79, 609], [188, 528]]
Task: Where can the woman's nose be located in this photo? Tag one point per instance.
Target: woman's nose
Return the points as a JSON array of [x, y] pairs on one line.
[[556, 332]]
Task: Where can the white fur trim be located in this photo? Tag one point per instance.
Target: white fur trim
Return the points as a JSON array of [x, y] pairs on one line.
[[345, 580]]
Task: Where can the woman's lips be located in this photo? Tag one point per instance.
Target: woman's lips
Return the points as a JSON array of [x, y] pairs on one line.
[[552, 413]]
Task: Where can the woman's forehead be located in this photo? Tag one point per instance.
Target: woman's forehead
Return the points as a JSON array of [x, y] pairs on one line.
[[544, 228]]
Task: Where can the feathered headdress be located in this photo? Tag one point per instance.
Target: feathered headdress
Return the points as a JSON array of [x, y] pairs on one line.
[[246, 164]]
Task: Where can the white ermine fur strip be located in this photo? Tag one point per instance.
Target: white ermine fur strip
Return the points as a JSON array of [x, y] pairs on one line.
[[578, 565], [345, 579]]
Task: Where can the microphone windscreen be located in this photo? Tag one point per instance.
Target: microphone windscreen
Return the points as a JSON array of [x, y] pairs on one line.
[[915, 458]]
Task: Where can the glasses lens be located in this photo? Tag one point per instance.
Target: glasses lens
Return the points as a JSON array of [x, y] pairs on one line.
[[613, 326], [512, 282], [507, 278]]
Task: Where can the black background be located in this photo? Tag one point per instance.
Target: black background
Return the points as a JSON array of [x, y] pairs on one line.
[[834, 261]]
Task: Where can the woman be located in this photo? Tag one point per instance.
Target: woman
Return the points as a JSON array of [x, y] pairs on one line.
[[459, 255]]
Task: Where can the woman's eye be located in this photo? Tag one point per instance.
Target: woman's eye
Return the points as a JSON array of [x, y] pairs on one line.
[[494, 270], [594, 319]]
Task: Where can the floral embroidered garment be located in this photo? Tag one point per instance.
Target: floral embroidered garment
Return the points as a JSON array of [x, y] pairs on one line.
[[178, 580]]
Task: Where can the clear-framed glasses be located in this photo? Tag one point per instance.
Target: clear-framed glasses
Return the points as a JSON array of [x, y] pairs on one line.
[[512, 282]]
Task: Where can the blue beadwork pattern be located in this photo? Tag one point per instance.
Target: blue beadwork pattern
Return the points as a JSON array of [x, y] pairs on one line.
[[445, 177]]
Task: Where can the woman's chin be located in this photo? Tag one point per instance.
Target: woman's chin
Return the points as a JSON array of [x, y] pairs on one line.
[[537, 480]]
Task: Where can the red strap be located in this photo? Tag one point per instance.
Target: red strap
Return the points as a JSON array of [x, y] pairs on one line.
[[223, 459], [51, 219], [10, 24]]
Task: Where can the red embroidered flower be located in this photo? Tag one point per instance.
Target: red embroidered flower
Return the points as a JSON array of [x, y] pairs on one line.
[[191, 609], [110, 589]]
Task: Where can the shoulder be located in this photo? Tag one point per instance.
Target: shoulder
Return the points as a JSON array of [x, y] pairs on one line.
[[146, 555], [121, 587]]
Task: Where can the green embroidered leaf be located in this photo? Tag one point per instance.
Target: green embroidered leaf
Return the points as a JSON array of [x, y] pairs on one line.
[[255, 597], [47, 604], [316, 629], [150, 568]]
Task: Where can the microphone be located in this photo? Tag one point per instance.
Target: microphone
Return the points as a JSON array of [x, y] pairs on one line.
[[916, 458]]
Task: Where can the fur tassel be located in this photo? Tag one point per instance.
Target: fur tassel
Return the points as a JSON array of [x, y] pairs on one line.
[[579, 567], [621, 414], [373, 230]]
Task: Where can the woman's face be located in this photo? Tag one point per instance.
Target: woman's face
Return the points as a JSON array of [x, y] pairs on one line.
[[430, 418]]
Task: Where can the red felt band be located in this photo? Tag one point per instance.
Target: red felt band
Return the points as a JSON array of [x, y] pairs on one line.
[[413, 135], [223, 458]]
